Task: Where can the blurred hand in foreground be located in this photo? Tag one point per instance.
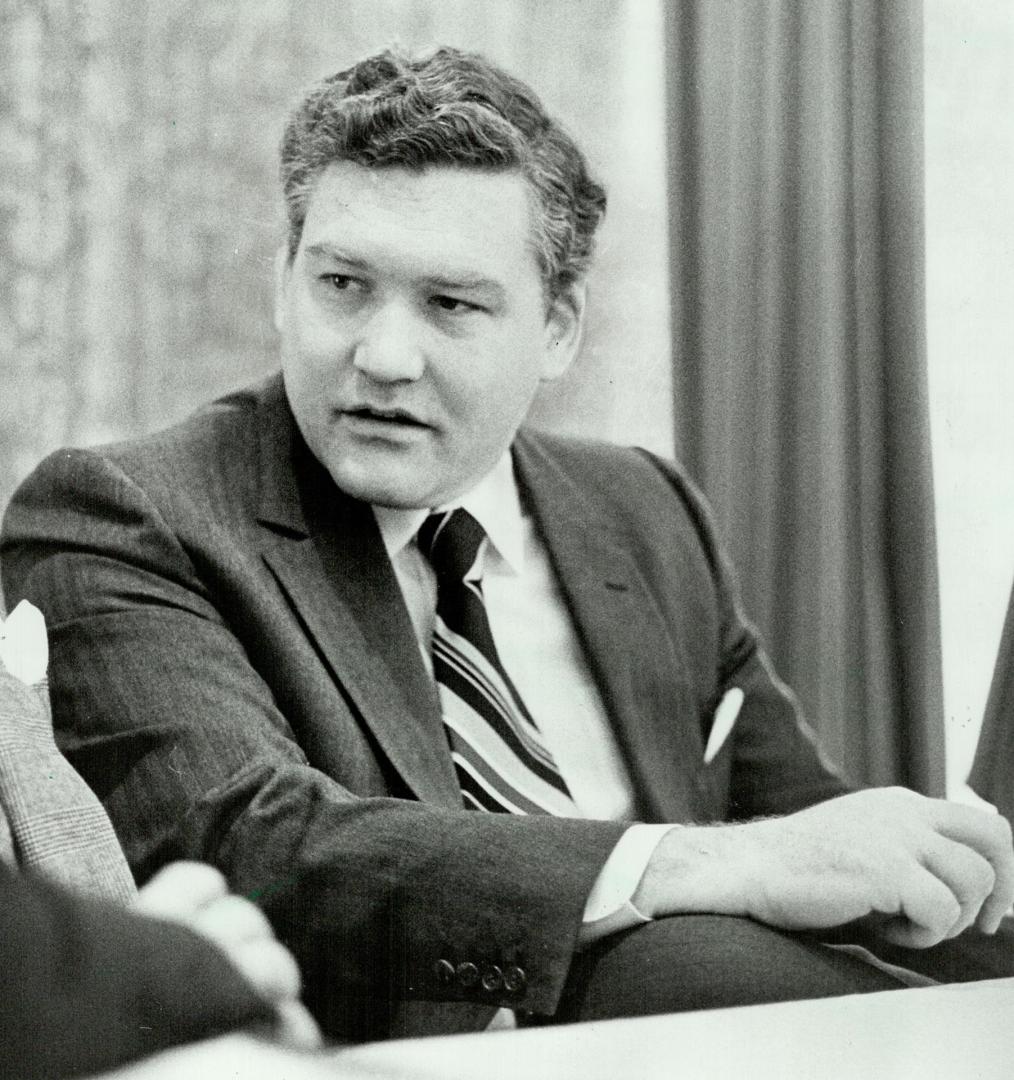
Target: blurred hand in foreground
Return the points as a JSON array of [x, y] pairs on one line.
[[197, 896]]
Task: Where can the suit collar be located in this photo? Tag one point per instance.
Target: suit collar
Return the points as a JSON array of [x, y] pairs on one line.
[[494, 502], [280, 450]]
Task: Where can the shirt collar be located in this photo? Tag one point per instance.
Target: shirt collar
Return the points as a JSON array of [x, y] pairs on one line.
[[494, 502]]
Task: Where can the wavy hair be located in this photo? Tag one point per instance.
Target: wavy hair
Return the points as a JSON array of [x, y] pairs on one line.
[[449, 108]]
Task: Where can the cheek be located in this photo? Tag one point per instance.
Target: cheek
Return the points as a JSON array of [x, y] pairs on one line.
[[489, 410], [312, 328], [313, 352], [313, 340]]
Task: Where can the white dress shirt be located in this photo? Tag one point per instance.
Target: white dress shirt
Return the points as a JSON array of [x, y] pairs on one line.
[[540, 650]]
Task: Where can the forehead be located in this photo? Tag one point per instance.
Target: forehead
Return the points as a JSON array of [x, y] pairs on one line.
[[445, 219]]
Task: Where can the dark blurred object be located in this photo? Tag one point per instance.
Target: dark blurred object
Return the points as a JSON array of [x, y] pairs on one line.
[[89, 985], [993, 770]]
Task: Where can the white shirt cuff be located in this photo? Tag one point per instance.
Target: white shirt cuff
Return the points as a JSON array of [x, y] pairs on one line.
[[608, 908]]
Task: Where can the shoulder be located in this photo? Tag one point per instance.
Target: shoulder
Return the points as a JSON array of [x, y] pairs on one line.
[[222, 437], [598, 460], [652, 494], [214, 454]]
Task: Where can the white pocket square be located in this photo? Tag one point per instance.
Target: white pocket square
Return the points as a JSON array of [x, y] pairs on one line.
[[721, 726], [24, 650]]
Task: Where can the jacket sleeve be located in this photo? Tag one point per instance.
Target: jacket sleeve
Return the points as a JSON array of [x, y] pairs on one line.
[[158, 704], [89, 985]]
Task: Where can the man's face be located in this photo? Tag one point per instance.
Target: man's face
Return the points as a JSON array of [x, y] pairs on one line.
[[414, 328]]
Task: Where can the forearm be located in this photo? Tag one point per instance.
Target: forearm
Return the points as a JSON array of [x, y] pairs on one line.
[[376, 897], [695, 870]]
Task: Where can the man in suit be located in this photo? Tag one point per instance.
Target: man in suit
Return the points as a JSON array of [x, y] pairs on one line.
[[311, 633]]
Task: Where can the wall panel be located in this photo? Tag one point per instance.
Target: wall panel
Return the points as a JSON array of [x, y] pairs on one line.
[[139, 215]]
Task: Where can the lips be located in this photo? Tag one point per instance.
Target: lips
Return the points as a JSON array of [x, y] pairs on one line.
[[383, 415]]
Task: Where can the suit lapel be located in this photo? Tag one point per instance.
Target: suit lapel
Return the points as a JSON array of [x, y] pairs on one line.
[[327, 553], [630, 650]]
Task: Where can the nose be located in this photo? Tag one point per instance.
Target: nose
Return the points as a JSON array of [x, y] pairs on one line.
[[389, 348]]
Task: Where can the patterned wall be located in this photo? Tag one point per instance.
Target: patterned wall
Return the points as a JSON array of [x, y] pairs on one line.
[[138, 209]]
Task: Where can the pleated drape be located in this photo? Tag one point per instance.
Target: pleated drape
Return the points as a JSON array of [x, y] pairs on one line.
[[800, 387], [993, 769]]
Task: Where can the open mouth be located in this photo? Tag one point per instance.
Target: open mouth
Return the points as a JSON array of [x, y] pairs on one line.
[[384, 417]]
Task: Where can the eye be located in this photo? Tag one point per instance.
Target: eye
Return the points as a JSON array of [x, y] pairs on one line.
[[453, 305], [340, 282]]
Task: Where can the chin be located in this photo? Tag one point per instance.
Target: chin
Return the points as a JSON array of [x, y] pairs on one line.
[[380, 490]]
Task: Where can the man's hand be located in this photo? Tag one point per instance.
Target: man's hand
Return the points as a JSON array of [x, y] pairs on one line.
[[197, 896], [932, 868]]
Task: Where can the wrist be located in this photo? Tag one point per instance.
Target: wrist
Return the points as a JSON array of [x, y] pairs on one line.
[[695, 870]]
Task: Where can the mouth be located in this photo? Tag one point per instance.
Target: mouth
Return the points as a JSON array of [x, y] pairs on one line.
[[383, 418]]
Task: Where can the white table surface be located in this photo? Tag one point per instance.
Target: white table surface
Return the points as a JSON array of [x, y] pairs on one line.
[[956, 1032]]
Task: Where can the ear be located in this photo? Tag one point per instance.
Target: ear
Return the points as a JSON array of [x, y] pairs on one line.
[[283, 272], [564, 331]]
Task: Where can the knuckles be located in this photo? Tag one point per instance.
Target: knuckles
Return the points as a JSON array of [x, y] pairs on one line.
[[1003, 831]]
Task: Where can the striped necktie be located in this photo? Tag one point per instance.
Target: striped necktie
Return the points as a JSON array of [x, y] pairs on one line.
[[501, 759]]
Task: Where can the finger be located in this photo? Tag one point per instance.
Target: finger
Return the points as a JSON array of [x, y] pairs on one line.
[[996, 907], [968, 875], [180, 889], [231, 919], [990, 835], [269, 967], [296, 1028], [1002, 897], [928, 911]]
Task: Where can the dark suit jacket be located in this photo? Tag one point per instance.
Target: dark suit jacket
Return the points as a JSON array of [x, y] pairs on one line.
[[87, 986], [234, 671]]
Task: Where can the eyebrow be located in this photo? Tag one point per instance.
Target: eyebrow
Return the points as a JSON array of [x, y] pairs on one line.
[[489, 287], [329, 251]]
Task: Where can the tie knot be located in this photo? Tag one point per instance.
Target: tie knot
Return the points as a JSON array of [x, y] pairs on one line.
[[451, 541]]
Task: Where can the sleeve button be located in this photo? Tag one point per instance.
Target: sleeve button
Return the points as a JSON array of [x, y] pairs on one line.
[[492, 978], [443, 972], [468, 975], [514, 979]]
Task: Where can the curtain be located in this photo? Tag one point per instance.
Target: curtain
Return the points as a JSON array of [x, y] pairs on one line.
[[993, 769], [800, 385]]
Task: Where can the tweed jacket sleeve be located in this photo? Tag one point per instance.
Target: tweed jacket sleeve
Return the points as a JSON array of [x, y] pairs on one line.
[[51, 820]]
